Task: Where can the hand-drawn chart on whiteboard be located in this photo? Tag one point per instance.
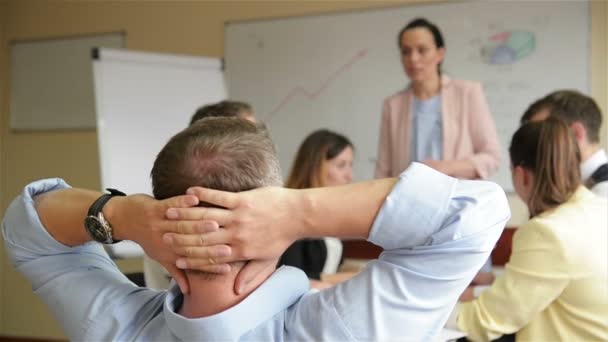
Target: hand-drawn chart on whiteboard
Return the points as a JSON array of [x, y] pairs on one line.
[[334, 71]]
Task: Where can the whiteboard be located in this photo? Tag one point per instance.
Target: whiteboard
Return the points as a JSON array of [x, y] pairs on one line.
[[333, 71], [142, 100], [52, 82]]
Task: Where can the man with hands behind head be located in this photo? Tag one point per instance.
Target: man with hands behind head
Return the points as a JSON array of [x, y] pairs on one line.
[[436, 232], [155, 275]]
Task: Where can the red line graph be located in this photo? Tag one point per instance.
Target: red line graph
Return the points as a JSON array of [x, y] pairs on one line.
[[311, 95]]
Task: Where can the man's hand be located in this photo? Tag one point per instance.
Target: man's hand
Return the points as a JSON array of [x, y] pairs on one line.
[[142, 219], [256, 225]]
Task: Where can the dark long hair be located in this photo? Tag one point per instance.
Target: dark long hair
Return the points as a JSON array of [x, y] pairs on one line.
[[548, 149], [319, 146], [423, 23]]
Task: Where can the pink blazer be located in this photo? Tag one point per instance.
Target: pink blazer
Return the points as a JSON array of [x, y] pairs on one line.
[[468, 129]]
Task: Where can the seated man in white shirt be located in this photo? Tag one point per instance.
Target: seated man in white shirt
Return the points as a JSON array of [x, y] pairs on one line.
[[436, 232], [584, 117]]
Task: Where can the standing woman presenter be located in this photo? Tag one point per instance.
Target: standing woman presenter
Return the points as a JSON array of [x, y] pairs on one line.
[[442, 122]]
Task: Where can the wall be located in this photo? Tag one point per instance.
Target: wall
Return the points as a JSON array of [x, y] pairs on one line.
[[599, 61], [176, 27], [3, 92]]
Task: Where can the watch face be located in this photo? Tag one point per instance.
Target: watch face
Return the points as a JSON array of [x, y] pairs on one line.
[[95, 229]]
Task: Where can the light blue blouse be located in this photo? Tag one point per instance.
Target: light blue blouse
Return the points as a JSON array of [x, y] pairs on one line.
[[427, 135], [436, 231]]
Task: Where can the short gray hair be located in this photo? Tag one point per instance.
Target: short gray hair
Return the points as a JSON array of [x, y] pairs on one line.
[[222, 153]]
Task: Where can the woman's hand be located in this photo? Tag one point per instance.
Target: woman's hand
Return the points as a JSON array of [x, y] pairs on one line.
[[483, 278], [257, 225], [467, 295], [463, 169], [439, 165]]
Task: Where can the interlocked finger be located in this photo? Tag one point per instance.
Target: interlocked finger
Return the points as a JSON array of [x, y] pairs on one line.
[[189, 227], [214, 254], [219, 237], [219, 215], [183, 201], [201, 265], [220, 198]]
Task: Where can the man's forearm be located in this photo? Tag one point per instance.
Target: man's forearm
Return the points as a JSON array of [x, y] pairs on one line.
[[345, 211], [62, 213]]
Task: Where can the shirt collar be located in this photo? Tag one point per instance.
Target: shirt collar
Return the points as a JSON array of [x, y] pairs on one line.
[[283, 288], [590, 165]]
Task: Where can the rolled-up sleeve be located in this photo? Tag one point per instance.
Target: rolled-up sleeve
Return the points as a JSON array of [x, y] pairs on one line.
[[25, 237], [427, 208], [436, 232], [80, 285]]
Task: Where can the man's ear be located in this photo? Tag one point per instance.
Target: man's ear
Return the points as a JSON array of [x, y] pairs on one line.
[[441, 52], [580, 133], [179, 276]]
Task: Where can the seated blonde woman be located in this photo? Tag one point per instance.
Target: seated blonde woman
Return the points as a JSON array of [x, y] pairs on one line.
[[555, 286], [325, 158]]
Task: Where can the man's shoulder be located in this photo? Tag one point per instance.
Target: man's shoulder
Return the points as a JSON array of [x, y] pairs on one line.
[[600, 174], [601, 189]]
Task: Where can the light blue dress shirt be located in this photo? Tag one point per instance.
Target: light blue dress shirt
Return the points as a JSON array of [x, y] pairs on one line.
[[427, 134], [436, 231]]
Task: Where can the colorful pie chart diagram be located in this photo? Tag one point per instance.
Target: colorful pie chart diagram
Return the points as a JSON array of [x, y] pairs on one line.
[[508, 47]]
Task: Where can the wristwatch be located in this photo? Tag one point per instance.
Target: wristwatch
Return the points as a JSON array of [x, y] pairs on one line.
[[95, 223]]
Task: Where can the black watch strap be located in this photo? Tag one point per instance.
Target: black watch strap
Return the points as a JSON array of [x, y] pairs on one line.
[[97, 206]]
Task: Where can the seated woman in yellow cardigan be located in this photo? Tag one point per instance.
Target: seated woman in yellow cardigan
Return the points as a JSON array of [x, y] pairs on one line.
[[555, 286]]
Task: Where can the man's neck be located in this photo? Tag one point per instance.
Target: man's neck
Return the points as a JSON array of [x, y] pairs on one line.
[[212, 295]]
